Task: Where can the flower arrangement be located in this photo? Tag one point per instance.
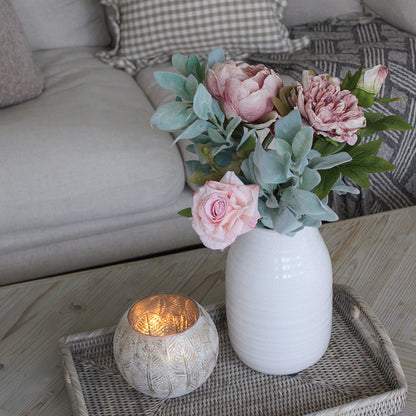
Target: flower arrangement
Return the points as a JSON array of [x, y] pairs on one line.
[[268, 155]]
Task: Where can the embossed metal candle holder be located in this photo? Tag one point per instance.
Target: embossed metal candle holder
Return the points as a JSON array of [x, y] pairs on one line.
[[166, 345]]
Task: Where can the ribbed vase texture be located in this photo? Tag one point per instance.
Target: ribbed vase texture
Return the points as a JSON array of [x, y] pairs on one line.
[[279, 299]]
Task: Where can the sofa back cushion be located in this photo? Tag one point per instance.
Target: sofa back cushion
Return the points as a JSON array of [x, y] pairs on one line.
[[399, 13], [299, 12], [147, 32], [62, 23]]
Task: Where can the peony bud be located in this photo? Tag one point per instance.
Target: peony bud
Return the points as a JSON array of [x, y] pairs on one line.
[[372, 79]]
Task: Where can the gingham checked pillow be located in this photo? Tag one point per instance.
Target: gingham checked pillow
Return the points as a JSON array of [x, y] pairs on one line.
[[146, 32]]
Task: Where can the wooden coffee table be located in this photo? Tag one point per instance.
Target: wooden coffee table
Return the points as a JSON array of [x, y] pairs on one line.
[[375, 255]]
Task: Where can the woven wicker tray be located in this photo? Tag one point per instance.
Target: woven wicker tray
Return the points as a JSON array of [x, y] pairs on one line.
[[359, 375]]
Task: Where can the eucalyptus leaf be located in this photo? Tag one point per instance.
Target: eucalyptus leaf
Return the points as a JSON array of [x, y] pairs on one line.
[[191, 148], [220, 148], [223, 158], [206, 168], [192, 165]]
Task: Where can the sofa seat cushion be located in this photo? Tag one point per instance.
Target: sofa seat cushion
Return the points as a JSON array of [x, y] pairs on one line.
[[84, 150]]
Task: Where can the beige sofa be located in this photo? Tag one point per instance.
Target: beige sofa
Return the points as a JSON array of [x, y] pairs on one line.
[[85, 179]]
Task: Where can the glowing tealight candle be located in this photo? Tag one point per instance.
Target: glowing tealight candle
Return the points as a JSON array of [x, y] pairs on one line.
[[166, 345]]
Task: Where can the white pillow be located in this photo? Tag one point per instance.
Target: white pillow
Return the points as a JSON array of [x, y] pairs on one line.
[[62, 23], [299, 12], [399, 13]]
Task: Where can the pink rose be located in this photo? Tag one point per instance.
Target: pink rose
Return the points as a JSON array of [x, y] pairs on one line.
[[223, 210], [330, 111], [243, 90], [372, 79]]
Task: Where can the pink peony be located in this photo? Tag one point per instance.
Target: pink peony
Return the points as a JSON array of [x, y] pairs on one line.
[[330, 111], [372, 79], [221, 211], [243, 90]]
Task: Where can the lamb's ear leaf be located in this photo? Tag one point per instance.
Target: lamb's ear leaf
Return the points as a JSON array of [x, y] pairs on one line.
[[180, 62], [194, 67], [287, 127], [172, 116], [330, 161], [203, 103], [218, 111], [191, 85], [231, 126], [302, 143], [187, 212], [215, 56], [193, 130], [215, 136], [310, 179], [173, 82]]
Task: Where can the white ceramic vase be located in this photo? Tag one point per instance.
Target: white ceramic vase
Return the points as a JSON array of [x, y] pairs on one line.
[[279, 299]]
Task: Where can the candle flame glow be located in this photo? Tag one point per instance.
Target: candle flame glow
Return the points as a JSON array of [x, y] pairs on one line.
[[163, 315]]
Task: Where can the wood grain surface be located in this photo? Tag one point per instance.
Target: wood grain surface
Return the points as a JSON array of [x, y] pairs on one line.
[[375, 255]]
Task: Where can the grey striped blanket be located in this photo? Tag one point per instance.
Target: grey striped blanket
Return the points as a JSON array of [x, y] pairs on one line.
[[335, 49]]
